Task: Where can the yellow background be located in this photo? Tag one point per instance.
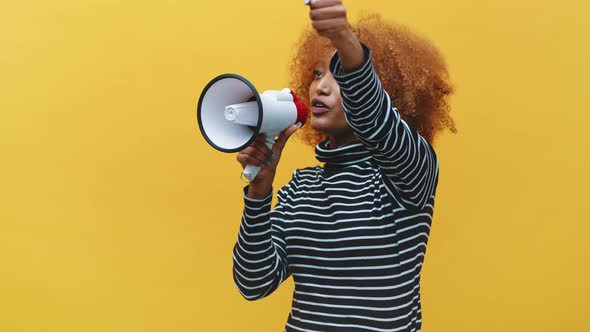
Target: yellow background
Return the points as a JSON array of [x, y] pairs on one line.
[[115, 215]]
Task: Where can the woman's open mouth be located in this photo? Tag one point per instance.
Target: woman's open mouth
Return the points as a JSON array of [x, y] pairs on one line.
[[318, 107]]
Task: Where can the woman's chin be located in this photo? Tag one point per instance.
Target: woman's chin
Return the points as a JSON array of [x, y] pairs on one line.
[[319, 125]]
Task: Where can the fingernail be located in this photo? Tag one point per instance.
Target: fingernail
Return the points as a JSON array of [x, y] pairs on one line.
[[298, 125], [307, 2]]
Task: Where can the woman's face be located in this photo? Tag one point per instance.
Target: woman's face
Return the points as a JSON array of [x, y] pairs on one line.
[[327, 115]]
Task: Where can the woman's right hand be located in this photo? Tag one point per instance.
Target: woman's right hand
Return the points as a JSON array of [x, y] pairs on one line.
[[258, 154]]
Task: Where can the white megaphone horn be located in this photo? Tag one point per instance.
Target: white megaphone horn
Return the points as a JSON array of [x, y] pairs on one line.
[[231, 114]]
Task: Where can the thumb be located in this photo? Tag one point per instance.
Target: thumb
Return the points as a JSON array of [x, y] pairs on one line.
[[282, 140]]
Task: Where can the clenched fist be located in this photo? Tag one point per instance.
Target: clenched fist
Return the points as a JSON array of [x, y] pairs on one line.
[[328, 18], [259, 154]]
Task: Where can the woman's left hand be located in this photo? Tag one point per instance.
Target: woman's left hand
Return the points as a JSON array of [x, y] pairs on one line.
[[328, 18]]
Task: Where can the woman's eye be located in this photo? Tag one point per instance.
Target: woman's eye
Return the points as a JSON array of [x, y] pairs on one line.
[[317, 74]]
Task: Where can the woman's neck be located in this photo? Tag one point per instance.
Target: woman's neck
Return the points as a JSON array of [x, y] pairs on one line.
[[337, 141]]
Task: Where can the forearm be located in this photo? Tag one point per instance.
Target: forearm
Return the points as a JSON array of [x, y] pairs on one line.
[[405, 158], [258, 267], [349, 50]]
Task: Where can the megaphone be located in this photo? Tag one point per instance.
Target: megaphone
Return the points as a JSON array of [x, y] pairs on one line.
[[231, 114]]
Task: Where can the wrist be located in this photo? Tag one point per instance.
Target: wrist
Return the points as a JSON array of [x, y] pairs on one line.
[[343, 38], [258, 193], [350, 51]]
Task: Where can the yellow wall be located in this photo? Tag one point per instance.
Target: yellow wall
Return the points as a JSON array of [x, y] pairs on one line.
[[116, 216]]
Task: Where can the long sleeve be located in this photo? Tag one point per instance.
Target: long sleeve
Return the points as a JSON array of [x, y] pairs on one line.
[[405, 158], [260, 264]]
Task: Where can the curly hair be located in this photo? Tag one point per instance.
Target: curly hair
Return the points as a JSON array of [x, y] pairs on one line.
[[411, 70]]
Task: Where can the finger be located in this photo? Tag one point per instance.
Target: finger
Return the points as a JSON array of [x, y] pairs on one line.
[[283, 138], [254, 155], [329, 24], [327, 13], [323, 3], [260, 138], [263, 154], [242, 159], [257, 153], [260, 143], [261, 147], [248, 159]]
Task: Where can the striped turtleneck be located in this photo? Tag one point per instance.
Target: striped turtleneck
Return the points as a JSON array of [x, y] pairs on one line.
[[341, 156], [352, 233]]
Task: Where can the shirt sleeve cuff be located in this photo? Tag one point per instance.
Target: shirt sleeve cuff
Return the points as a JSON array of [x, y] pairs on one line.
[[257, 203]]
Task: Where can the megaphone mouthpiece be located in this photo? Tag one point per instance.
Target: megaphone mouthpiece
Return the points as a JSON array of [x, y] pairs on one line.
[[302, 109]]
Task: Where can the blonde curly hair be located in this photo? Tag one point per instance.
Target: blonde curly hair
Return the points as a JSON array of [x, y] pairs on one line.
[[411, 70]]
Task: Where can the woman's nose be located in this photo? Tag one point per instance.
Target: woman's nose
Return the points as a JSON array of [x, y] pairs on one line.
[[323, 87]]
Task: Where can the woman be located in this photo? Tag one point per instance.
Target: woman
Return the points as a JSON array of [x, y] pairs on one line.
[[352, 233]]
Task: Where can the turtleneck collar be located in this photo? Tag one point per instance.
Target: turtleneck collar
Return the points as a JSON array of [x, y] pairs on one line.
[[342, 156]]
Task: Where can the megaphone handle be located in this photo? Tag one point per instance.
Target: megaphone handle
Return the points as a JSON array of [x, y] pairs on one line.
[[250, 171]]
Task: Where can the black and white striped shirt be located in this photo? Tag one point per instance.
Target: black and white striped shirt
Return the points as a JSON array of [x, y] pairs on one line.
[[353, 233]]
